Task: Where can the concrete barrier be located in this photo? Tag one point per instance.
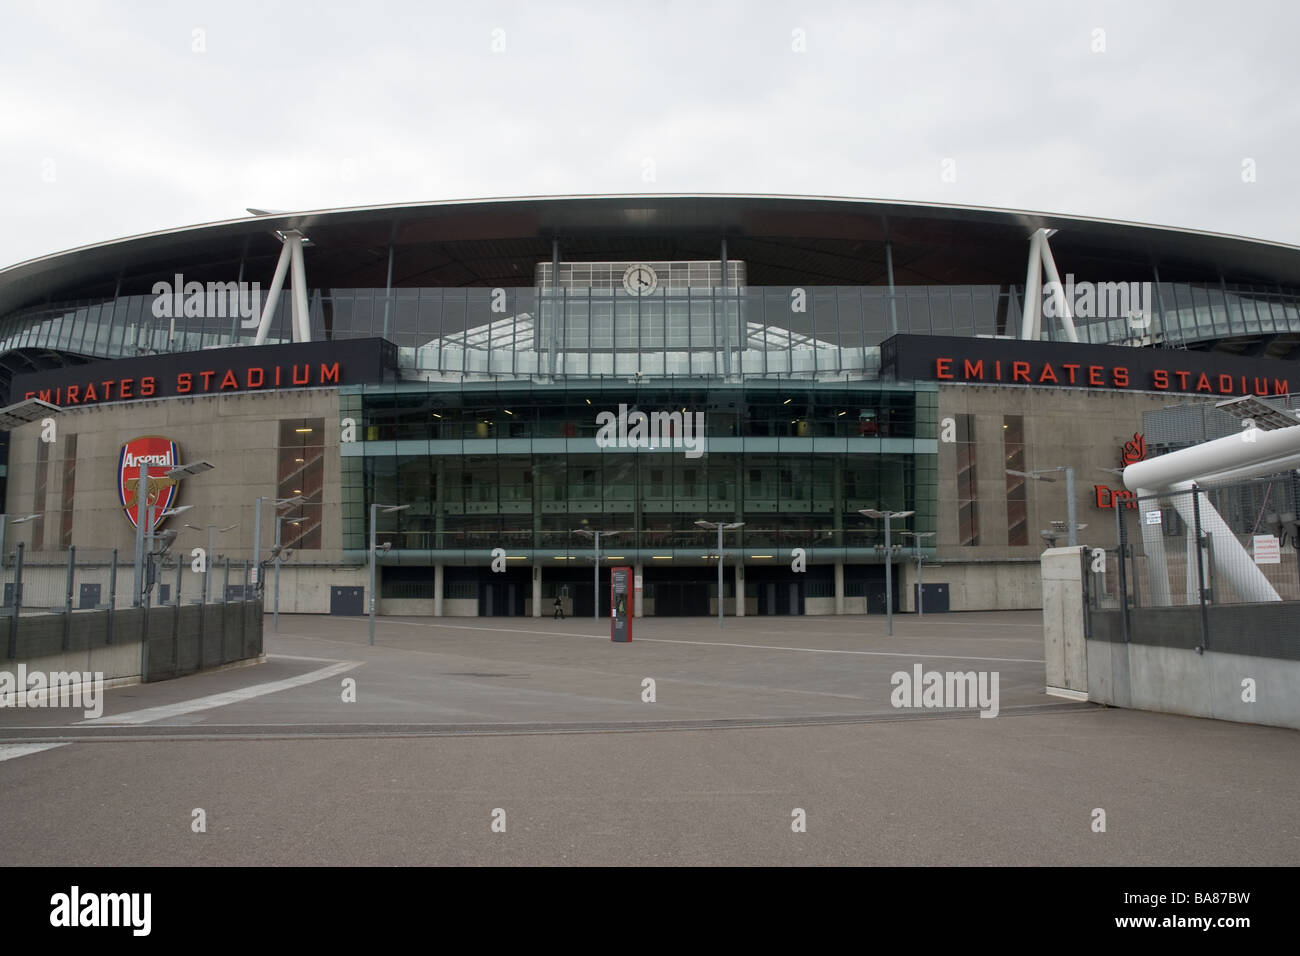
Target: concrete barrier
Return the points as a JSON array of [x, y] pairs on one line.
[[1245, 671], [181, 640]]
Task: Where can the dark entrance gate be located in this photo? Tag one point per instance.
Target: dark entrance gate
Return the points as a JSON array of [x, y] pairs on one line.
[[347, 601], [681, 599], [781, 597]]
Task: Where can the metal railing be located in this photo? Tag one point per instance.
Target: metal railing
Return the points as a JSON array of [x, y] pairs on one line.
[[1206, 549]]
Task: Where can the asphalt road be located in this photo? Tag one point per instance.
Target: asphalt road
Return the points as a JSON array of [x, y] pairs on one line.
[[545, 721]]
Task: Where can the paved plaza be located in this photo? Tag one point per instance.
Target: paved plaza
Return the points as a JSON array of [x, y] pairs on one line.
[[334, 752]]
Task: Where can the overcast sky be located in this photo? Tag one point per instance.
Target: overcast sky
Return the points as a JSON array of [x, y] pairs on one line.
[[117, 119]]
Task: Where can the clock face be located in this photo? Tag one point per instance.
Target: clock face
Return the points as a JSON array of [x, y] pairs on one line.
[[640, 279]]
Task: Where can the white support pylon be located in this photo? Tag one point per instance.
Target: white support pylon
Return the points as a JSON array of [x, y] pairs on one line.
[[1040, 260], [290, 256], [1058, 291], [1230, 559], [1029, 322], [1153, 545], [273, 295], [1233, 457], [301, 329]]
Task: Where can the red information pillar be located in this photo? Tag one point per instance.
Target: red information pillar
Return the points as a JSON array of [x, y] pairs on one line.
[[620, 604]]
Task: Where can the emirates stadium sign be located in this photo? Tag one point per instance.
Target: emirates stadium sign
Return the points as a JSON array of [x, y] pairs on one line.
[[983, 361], [213, 372]]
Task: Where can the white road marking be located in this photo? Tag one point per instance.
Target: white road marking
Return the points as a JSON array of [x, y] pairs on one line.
[[913, 655], [820, 650], [150, 714], [10, 751]]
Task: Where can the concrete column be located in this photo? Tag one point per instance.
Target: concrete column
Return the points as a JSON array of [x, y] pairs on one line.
[[638, 596], [740, 589], [839, 587], [537, 590], [437, 590]]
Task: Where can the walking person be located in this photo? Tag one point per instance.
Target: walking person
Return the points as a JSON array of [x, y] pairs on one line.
[[559, 610]]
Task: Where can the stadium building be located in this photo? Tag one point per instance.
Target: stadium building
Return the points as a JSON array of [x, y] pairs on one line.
[[521, 374]]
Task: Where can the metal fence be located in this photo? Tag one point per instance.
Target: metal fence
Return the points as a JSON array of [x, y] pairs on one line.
[[184, 616], [83, 579], [1207, 547]]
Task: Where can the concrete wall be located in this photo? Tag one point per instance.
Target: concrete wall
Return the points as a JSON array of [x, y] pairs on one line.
[[40, 642], [1180, 681], [181, 640], [989, 586], [306, 589], [1063, 426], [1064, 647], [238, 433], [1163, 665]]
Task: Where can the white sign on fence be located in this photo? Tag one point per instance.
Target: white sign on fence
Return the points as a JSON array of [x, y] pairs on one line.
[[1153, 517], [1268, 549]]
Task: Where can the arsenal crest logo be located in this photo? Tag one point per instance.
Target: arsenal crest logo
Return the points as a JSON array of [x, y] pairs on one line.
[[160, 455]]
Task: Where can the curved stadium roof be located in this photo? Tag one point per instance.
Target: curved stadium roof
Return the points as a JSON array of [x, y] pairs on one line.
[[784, 240], [958, 270]]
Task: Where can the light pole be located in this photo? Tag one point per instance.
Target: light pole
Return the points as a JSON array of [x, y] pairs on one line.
[[889, 558], [5, 521], [1039, 475], [279, 553], [167, 538], [144, 515], [17, 608], [374, 517], [920, 585], [257, 532], [721, 526], [212, 547], [595, 592]]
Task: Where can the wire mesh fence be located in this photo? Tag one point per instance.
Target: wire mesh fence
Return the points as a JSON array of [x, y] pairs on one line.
[[85, 579], [1247, 537], [1212, 548]]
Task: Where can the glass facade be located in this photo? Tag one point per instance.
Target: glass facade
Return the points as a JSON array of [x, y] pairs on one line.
[[524, 467], [769, 331]]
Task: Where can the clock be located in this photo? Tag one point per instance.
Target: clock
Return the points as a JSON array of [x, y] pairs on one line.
[[640, 279]]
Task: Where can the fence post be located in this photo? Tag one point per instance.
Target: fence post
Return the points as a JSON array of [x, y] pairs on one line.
[[112, 596], [1121, 584], [203, 607], [1200, 571], [225, 610], [176, 619], [1089, 590], [144, 641], [243, 608], [67, 598], [18, 603]]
